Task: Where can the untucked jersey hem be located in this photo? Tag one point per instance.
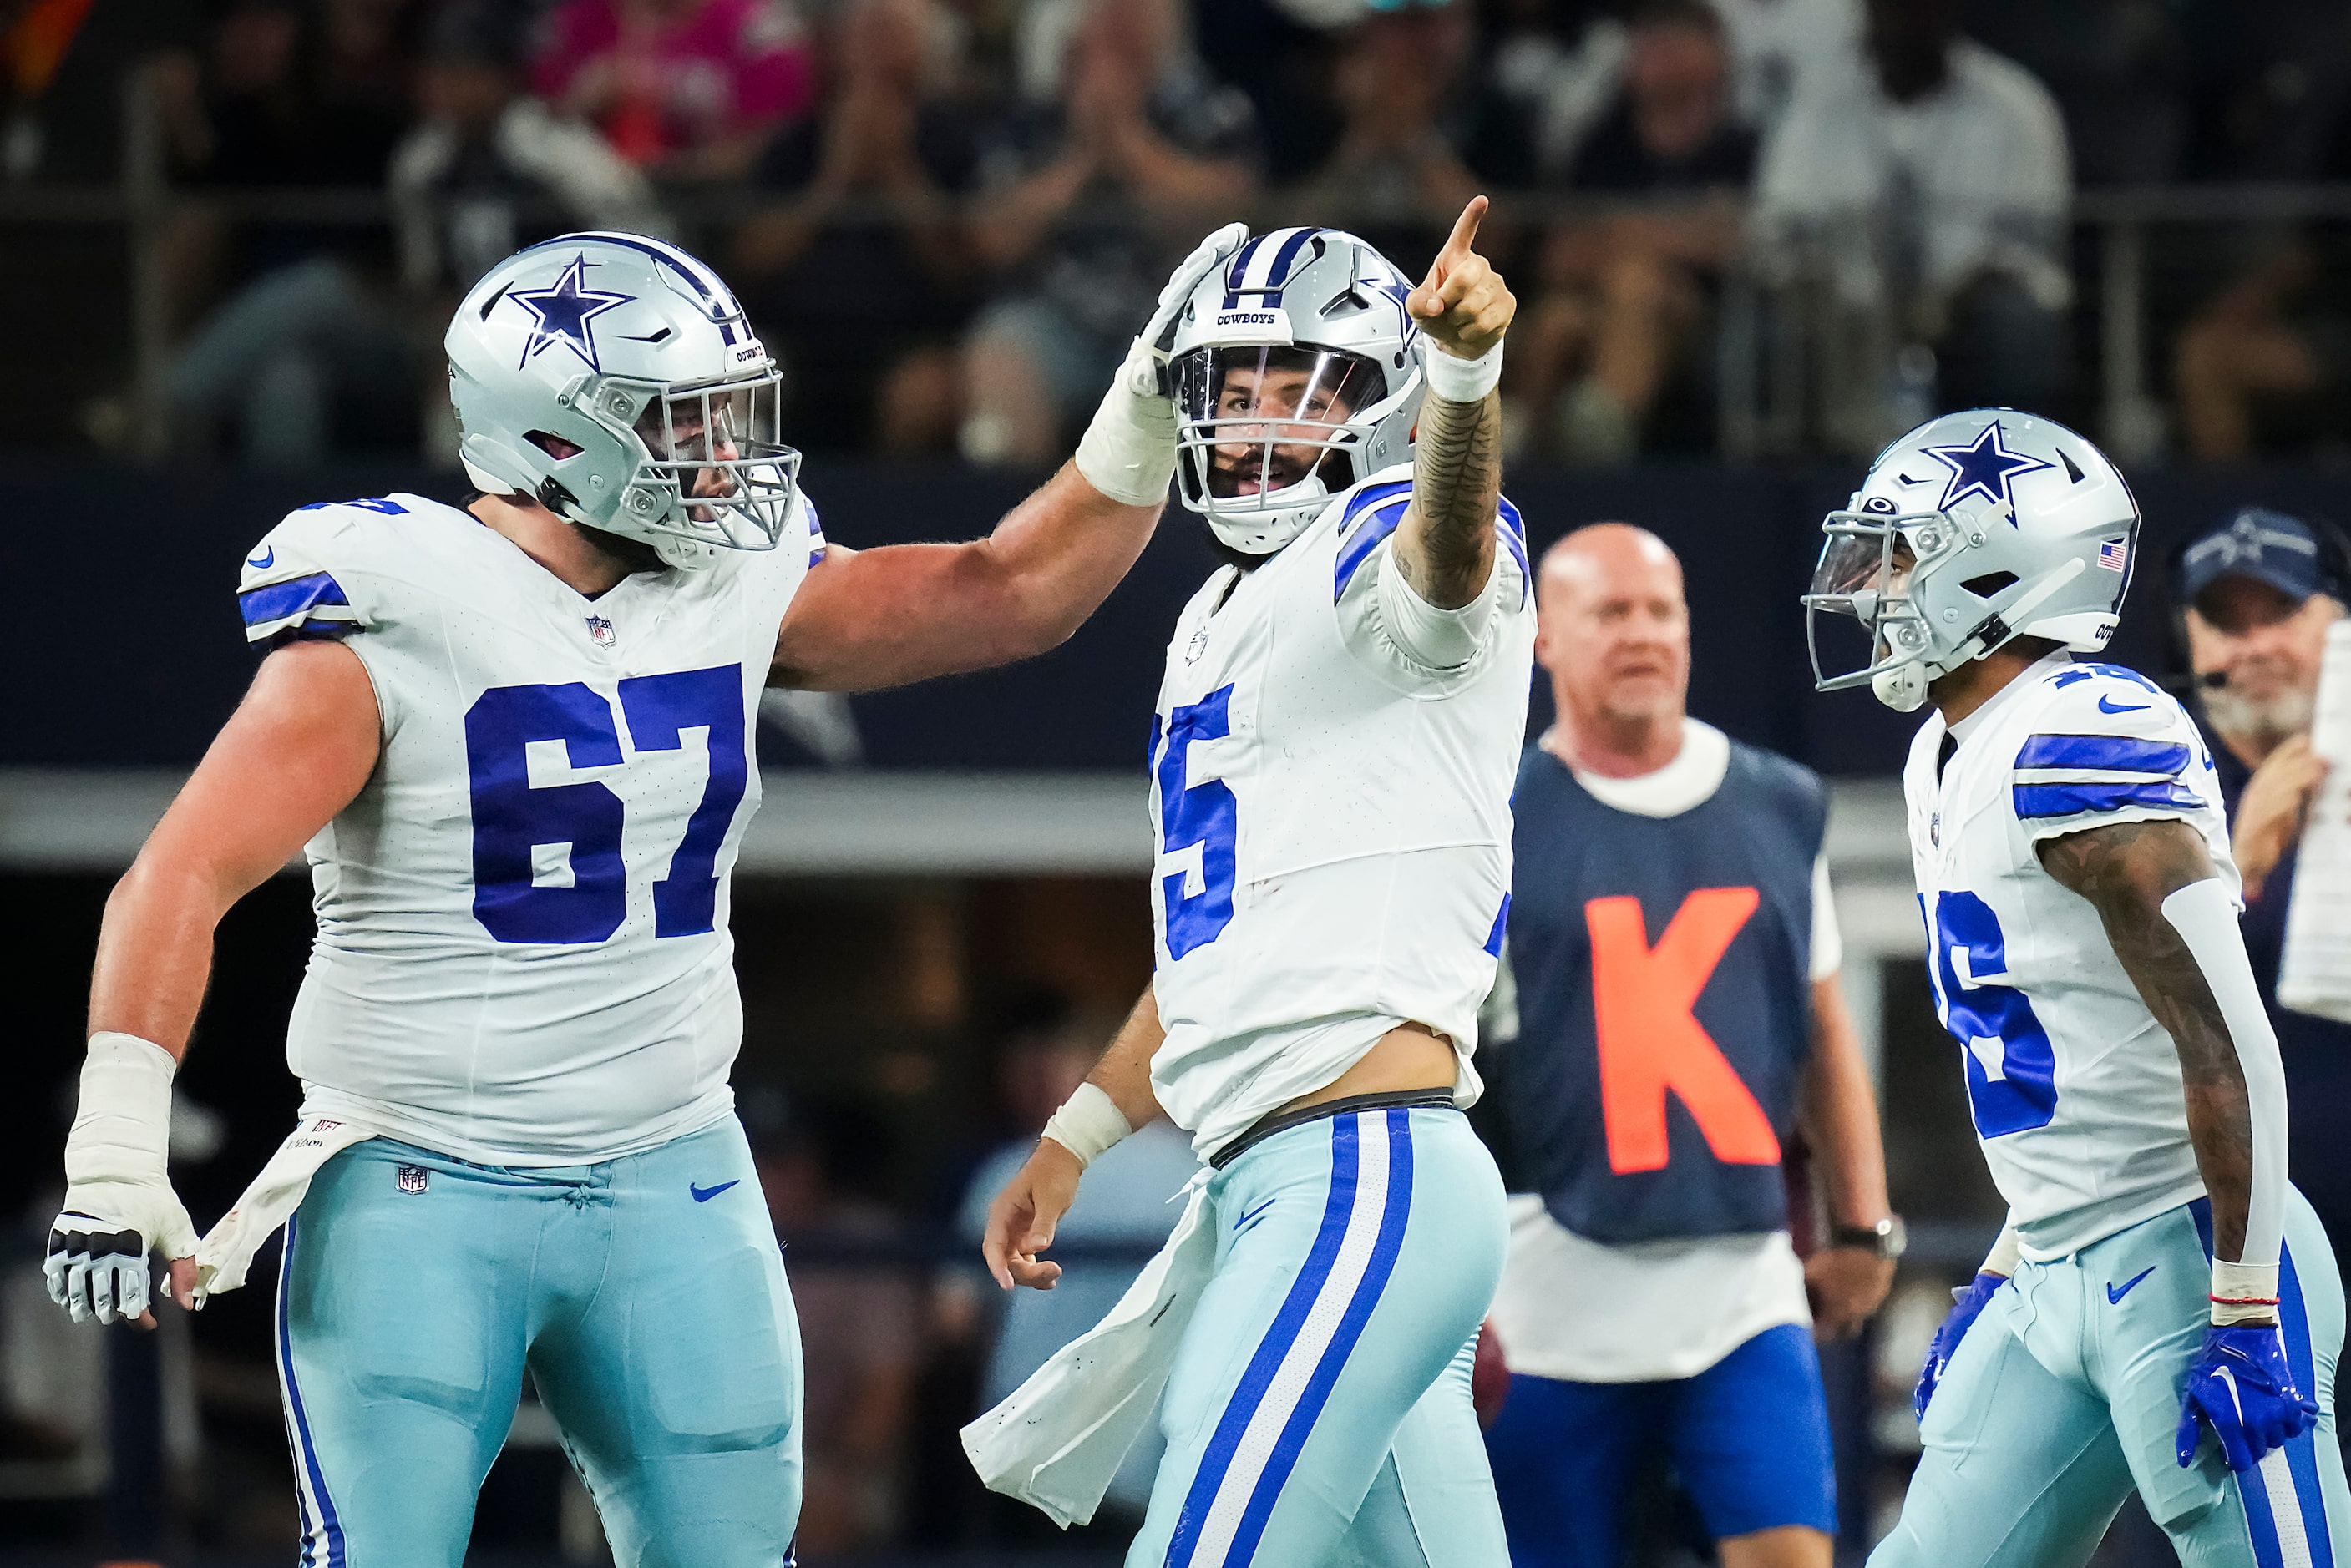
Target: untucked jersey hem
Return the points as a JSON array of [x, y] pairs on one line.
[[2061, 1243], [408, 1125]]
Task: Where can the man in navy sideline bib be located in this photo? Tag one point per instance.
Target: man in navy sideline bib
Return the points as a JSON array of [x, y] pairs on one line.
[[1675, 958]]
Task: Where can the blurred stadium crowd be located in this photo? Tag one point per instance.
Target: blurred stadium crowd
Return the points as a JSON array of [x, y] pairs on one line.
[[1766, 226]]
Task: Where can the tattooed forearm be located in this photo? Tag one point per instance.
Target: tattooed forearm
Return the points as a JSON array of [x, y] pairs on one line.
[[1445, 546], [2126, 871]]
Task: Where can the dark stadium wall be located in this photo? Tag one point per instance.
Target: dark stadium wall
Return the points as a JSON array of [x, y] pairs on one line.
[[129, 651]]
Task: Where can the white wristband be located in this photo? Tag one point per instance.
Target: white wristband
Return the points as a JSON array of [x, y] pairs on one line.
[[2243, 1293], [1459, 381], [1128, 452], [1090, 1123]]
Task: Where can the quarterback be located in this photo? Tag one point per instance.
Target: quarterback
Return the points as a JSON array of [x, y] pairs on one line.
[[515, 741], [1331, 760], [2162, 1311]]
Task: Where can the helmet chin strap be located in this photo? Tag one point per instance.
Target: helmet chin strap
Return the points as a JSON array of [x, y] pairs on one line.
[[1904, 688]]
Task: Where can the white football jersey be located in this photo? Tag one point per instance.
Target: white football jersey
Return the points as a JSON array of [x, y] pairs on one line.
[[2076, 1089], [522, 955], [1333, 819]]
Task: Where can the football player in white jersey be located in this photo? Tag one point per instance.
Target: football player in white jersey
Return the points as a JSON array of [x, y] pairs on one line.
[[516, 740], [1331, 762], [2162, 1311]]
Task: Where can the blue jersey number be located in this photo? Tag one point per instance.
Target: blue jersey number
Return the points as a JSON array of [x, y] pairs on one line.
[[2011, 1068], [1202, 815], [512, 819]]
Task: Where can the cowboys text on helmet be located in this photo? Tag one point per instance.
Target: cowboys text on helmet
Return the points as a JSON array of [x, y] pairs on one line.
[[1297, 372]]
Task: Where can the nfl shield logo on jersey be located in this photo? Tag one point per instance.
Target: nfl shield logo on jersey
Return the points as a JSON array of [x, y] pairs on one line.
[[412, 1178], [601, 631]]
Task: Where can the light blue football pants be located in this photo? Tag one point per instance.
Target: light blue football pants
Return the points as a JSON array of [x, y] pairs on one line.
[[1318, 1412], [2064, 1397], [646, 1297]]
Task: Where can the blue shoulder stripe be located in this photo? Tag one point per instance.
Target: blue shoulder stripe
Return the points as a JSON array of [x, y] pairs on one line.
[[2074, 799], [2114, 754], [1386, 503], [1513, 532], [1373, 495], [277, 601], [1359, 549]]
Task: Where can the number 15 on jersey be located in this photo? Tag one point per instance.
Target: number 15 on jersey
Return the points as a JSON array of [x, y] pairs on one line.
[[1198, 904]]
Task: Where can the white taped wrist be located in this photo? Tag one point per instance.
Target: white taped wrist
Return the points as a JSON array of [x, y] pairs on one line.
[[1090, 1123], [1459, 381], [122, 1123], [2244, 1292], [1128, 452]]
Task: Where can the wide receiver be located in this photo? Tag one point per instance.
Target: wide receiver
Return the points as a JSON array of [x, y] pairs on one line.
[[517, 741], [2163, 1311], [1331, 762]]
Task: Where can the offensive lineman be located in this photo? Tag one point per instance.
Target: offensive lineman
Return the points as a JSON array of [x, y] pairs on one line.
[[515, 741], [2159, 1282], [1331, 763]]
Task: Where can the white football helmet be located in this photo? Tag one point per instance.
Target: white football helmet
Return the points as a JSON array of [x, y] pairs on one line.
[[1973, 529], [1296, 371], [614, 378]]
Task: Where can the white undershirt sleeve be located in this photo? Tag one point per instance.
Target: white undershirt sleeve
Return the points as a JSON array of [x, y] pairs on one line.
[[1437, 638], [2205, 916]]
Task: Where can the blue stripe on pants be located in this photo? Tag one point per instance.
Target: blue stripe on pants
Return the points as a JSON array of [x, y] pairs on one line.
[[328, 1529], [1284, 1459], [2302, 1453], [1344, 1157]]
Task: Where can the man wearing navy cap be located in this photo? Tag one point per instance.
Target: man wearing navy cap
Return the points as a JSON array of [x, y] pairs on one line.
[[2256, 592]]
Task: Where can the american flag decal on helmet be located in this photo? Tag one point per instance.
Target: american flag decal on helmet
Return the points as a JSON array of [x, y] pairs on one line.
[[2114, 555]]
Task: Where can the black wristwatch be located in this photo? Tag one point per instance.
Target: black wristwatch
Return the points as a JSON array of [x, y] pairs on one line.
[[1886, 1239]]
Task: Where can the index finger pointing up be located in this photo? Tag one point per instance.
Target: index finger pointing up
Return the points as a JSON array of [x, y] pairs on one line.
[[1463, 238]]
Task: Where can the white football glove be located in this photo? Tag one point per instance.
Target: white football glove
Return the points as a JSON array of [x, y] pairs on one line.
[[1129, 451], [119, 1200]]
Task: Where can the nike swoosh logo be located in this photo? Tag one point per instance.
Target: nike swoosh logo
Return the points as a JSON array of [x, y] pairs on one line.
[[263, 561], [1252, 1215], [704, 1194], [2115, 1294], [2108, 705]]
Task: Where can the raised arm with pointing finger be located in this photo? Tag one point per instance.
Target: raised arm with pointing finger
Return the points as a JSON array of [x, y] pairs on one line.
[[1331, 760]]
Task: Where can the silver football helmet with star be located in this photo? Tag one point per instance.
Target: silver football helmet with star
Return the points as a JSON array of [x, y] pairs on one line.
[[1973, 529], [1296, 371], [614, 378]]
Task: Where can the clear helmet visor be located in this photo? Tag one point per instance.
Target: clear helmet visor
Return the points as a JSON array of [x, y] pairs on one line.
[[1258, 422], [715, 470], [1859, 619]]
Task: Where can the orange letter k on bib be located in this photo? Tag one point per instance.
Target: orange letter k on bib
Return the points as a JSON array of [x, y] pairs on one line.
[[1650, 1042]]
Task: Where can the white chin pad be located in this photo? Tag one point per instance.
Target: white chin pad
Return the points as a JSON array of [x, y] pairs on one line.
[[1903, 689]]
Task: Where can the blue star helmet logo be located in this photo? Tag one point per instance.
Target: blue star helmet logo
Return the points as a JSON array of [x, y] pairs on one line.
[[1983, 467], [565, 312]]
